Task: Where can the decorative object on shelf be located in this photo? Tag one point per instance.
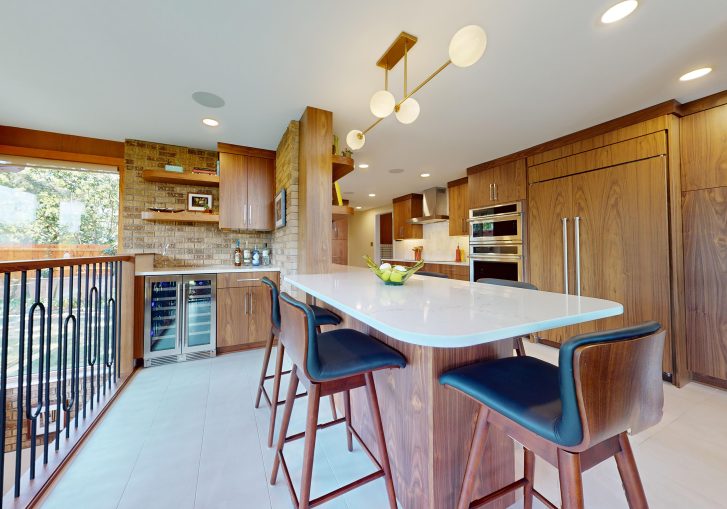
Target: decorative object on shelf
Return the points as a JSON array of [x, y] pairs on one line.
[[165, 209], [336, 145], [280, 209], [199, 202], [347, 152], [465, 48], [173, 168], [418, 252], [395, 275], [204, 171]]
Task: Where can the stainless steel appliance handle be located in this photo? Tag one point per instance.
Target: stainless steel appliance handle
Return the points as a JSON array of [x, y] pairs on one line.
[[565, 255], [184, 317], [248, 279], [495, 257], [577, 229], [516, 216]]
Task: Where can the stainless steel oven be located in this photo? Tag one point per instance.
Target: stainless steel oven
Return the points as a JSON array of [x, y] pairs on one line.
[[499, 223], [497, 237]]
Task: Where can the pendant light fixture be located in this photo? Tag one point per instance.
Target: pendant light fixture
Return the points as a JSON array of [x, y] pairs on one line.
[[465, 48]]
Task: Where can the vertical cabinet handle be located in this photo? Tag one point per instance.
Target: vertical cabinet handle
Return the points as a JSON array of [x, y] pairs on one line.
[[494, 186], [244, 215], [577, 228], [247, 295], [491, 195], [565, 255]]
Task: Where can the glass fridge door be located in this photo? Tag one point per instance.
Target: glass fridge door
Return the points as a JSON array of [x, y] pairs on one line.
[[163, 317], [201, 312]]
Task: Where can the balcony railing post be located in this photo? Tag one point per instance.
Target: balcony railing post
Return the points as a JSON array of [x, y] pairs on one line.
[[21, 365], [4, 366]]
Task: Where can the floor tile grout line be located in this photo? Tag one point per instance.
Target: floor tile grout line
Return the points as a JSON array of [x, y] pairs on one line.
[[204, 427]]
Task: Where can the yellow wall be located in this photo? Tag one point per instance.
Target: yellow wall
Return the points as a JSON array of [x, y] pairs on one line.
[[361, 234]]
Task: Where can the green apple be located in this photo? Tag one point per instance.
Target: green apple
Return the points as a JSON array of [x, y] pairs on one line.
[[395, 277], [386, 275]]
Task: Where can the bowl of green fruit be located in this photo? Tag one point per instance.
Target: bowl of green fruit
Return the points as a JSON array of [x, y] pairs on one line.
[[392, 275]]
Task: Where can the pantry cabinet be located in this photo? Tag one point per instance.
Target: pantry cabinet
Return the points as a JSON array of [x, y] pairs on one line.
[[406, 208], [458, 201], [497, 184]]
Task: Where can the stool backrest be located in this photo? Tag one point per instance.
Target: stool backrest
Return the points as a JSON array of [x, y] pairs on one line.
[[611, 382], [507, 282], [274, 305], [298, 334]]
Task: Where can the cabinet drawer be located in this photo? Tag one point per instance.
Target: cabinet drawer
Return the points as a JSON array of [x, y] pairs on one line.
[[242, 279]]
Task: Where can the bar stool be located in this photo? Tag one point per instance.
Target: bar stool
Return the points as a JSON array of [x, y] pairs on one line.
[[518, 344], [329, 363], [323, 316], [573, 416]]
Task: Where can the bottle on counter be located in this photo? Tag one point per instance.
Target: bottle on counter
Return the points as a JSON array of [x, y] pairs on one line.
[[238, 254], [246, 255], [266, 254], [458, 254], [255, 256]]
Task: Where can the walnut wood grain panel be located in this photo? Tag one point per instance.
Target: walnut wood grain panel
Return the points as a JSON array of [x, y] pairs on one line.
[[458, 199], [608, 138], [386, 228], [509, 179], [704, 149], [611, 155], [260, 192], [705, 103], [245, 151], [624, 242], [705, 262], [340, 228], [406, 208], [241, 279], [57, 142], [428, 428], [259, 324], [232, 320], [314, 188], [233, 191]]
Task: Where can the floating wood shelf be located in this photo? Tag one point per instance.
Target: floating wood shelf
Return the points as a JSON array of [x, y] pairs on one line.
[[186, 217], [187, 178], [342, 166], [342, 210]]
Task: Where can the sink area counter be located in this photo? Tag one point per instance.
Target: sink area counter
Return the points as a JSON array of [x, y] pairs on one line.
[[212, 269]]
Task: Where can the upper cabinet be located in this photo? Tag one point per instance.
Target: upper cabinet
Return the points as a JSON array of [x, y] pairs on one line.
[[497, 184], [247, 188], [704, 149], [406, 208], [458, 199]]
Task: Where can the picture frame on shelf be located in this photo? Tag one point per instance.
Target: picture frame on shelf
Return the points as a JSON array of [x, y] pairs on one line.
[[199, 202], [280, 209]]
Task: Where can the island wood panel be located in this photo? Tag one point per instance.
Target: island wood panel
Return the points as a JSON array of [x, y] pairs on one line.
[[509, 179], [704, 149], [612, 155], [628, 132], [705, 262], [314, 188], [458, 201], [233, 191], [261, 192], [429, 428]]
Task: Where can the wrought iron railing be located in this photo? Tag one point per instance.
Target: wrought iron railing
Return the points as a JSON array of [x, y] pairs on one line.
[[59, 361]]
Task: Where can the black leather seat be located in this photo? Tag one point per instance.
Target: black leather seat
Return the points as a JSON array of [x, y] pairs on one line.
[[323, 316]]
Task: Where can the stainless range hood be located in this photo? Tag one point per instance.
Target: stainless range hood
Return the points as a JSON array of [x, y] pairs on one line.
[[435, 207]]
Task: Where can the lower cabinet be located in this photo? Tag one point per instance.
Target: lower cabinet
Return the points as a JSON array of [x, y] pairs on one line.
[[459, 272], [243, 310]]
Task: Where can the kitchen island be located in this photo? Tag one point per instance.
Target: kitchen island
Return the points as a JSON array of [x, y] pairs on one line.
[[439, 324]]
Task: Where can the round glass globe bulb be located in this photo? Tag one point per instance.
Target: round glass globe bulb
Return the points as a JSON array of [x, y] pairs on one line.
[[467, 45], [408, 111], [355, 139], [382, 103]]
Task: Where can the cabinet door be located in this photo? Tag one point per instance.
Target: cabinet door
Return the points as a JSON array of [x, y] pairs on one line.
[[233, 191], [499, 184], [704, 149], [259, 317], [705, 278], [624, 242], [400, 212], [480, 188], [232, 317], [404, 210], [549, 203], [458, 209], [260, 192], [340, 228]]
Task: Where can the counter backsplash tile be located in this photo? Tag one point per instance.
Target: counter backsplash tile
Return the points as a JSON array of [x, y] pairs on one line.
[[438, 245]]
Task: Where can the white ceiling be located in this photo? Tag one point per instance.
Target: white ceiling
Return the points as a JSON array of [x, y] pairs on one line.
[[127, 69]]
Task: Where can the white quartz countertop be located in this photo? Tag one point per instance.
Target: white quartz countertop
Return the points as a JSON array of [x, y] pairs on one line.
[[447, 313], [214, 269], [426, 260]]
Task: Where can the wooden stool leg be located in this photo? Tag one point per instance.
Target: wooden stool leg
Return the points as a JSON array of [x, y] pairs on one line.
[[571, 483], [529, 475], [264, 372], [380, 439], [477, 449], [333, 408], [311, 427], [630, 474], [519, 347], [347, 409], [276, 392], [292, 388]]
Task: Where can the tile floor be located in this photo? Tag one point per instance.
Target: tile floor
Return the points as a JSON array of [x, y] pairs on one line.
[[187, 436]]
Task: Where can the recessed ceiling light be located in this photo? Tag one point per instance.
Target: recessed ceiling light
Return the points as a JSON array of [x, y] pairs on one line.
[[363, 166], [208, 99], [697, 73], [424, 175], [371, 195], [359, 207], [619, 11], [210, 122]]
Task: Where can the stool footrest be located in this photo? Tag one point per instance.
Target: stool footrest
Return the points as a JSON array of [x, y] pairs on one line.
[[264, 392], [324, 425], [520, 483], [345, 489], [544, 500]]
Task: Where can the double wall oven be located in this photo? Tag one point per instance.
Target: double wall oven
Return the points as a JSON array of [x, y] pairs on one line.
[[496, 242]]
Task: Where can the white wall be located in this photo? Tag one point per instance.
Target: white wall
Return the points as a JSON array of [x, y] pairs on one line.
[[361, 234]]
